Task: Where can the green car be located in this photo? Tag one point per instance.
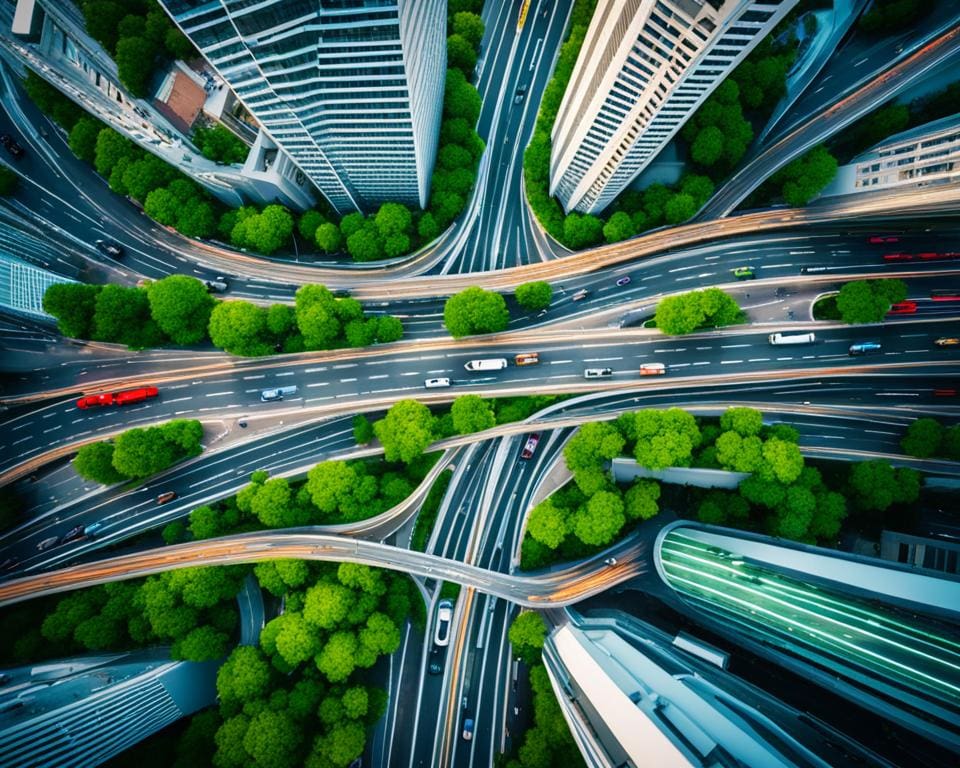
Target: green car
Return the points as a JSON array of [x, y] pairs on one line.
[[744, 273]]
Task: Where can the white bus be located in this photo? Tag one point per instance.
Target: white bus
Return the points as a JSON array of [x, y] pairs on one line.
[[792, 338]]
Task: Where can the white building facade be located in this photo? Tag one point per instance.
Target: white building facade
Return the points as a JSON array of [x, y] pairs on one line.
[[644, 69], [350, 90]]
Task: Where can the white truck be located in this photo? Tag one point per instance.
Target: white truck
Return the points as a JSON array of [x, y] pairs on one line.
[[490, 364], [791, 338]]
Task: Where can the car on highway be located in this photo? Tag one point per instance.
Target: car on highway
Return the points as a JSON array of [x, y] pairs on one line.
[[488, 364], [215, 286], [11, 146], [947, 341], [625, 280], [596, 373], [530, 447], [813, 269], [163, 498], [653, 369], [9, 564], [95, 401], [580, 295], [520, 93], [74, 533], [879, 239], [48, 543], [109, 248], [903, 308], [468, 729], [435, 668], [527, 358], [610, 561], [126, 397], [441, 636], [863, 348], [436, 383], [277, 393], [744, 273]]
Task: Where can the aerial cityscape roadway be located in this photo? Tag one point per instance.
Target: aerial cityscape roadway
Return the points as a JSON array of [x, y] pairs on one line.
[[479, 383]]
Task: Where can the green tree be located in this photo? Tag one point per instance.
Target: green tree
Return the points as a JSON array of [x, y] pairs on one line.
[[389, 329], [876, 485], [73, 305], [327, 604], [281, 319], [475, 310], [327, 238], [406, 431], [708, 146], [222, 146], [829, 514], [700, 188], [471, 413], [273, 739], [469, 26], [202, 644], [123, 315], [142, 452], [460, 99], [340, 745], [600, 520], [365, 244], [581, 230], [679, 208], [534, 296], [461, 54], [547, 523], [802, 179], [135, 58], [619, 227], [868, 301], [527, 634], [308, 223], [245, 676], [640, 502], [181, 307], [782, 461], [141, 177], [362, 429], [239, 327], [923, 438], [665, 438], [83, 138], [687, 312], [743, 421], [337, 660], [94, 461]]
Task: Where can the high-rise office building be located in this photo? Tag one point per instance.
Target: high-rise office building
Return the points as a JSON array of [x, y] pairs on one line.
[[644, 68], [351, 90]]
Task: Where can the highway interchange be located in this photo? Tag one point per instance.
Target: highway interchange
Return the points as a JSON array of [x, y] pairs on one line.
[[845, 407]]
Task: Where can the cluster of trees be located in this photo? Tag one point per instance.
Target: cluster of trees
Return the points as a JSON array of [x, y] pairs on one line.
[[801, 180], [219, 144], [295, 699], [139, 452], [688, 312], [868, 301], [138, 34], [588, 515], [548, 742], [782, 495], [192, 609], [927, 438], [250, 228], [874, 487], [887, 16], [179, 309], [167, 196], [534, 296]]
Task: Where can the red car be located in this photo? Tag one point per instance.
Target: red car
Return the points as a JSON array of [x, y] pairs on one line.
[[530, 447], [93, 401], [879, 239], [903, 308]]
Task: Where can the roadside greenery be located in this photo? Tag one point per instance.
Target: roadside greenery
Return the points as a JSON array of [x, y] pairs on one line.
[[178, 309], [927, 438], [139, 452], [191, 609], [427, 516], [548, 741], [782, 496], [475, 310], [695, 310], [868, 301], [534, 296]]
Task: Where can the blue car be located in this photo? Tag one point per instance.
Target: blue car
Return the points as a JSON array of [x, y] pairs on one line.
[[863, 348], [625, 280]]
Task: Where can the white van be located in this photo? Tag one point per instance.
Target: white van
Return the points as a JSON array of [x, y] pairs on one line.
[[490, 364], [277, 394], [596, 373], [792, 338], [436, 383]]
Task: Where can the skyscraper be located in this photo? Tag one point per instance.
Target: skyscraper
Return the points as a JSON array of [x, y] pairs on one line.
[[350, 90], [644, 68]]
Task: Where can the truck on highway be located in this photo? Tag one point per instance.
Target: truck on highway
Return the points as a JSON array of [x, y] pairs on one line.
[[653, 369], [489, 364], [791, 338], [126, 397], [527, 358]]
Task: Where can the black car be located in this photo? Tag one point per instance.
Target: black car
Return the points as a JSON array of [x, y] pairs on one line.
[[109, 248], [11, 145]]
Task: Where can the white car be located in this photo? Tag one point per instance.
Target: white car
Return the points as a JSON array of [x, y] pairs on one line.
[[441, 636], [436, 383], [278, 393], [596, 373], [490, 364]]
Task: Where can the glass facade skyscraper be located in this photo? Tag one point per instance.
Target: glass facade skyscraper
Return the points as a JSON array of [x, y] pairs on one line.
[[350, 90]]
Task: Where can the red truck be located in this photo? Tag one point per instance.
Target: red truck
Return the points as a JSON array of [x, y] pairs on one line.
[[126, 397]]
